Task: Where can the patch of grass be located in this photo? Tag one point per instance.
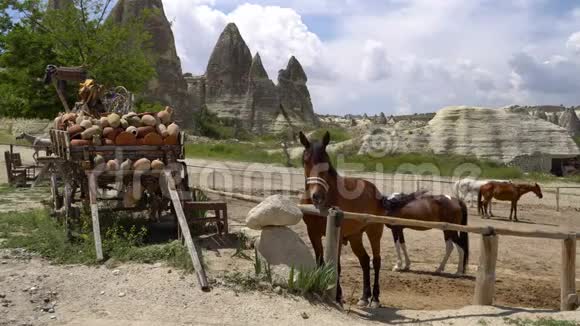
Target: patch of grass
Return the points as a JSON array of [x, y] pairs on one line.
[[237, 152], [539, 322], [315, 281], [338, 134], [444, 165], [38, 232]]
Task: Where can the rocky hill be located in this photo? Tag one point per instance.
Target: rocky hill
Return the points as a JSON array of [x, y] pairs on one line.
[[494, 134], [169, 86], [237, 86]]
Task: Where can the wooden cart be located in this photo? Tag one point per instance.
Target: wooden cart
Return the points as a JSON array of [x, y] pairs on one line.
[[84, 185]]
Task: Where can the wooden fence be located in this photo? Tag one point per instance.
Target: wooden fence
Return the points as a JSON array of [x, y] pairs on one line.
[[485, 277]]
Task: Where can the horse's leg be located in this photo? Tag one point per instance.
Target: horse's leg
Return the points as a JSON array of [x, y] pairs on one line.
[[315, 234], [460, 252], [404, 248], [395, 230], [515, 204], [375, 234], [365, 262], [511, 210], [490, 212], [447, 235], [338, 287]]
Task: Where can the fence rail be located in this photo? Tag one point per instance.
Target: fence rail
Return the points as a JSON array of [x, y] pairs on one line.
[[485, 277]]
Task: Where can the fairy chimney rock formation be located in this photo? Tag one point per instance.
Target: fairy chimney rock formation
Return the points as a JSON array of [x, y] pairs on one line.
[[569, 121], [227, 75], [168, 87], [262, 99], [237, 87], [294, 95]]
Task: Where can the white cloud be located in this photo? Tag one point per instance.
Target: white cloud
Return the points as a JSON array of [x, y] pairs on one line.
[[375, 63], [418, 55], [277, 33], [573, 42]]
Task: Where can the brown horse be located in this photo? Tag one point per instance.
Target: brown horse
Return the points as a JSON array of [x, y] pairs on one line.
[[505, 192], [325, 188], [440, 208]]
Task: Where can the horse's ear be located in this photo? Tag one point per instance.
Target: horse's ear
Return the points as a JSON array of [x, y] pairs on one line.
[[304, 140], [326, 139]]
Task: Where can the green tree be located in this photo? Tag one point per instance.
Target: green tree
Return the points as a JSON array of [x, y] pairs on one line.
[[32, 37]]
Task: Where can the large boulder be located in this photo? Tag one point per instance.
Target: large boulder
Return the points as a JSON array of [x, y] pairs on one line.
[[283, 249], [273, 211]]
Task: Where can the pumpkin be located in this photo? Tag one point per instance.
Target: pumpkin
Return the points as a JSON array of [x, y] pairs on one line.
[[86, 124], [157, 165], [173, 129], [89, 133], [80, 142], [162, 130], [153, 139], [74, 129], [148, 120], [114, 120], [127, 165], [144, 131], [125, 139], [171, 140], [112, 165], [166, 115], [142, 165]]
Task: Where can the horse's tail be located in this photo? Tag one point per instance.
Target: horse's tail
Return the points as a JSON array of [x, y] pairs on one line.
[[464, 236], [479, 202]]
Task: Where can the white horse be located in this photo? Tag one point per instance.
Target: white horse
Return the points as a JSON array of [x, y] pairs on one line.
[[38, 143], [470, 186]]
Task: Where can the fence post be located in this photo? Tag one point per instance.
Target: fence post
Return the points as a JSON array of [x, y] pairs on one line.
[[568, 296], [485, 279], [333, 223], [557, 199]]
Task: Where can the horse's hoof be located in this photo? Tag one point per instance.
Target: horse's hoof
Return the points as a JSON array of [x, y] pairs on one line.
[[363, 303], [396, 268], [374, 304], [438, 271]]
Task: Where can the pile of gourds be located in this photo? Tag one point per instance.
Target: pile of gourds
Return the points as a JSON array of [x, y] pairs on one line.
[[131, 129]]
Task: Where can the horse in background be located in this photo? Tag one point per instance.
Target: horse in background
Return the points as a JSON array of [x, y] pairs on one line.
[[37, 143], [505, 192], [432, 208], [470, 187]]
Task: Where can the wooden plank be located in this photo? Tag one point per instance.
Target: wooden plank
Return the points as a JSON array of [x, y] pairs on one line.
[[333, 222], [485, 279], [368, 218], [195, 259], [210, 206], [568, 296], [95, 215]]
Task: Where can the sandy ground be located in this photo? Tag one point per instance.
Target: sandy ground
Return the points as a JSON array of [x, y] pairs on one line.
[[527, 276]]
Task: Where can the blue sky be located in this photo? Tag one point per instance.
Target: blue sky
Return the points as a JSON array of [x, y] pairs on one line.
[[400, 56]]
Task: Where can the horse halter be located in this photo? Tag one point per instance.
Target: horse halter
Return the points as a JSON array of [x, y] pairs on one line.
[[318, 181]]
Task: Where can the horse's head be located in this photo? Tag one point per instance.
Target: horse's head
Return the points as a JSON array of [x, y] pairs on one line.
[[318, 170], [21, 136], [536, 189]]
